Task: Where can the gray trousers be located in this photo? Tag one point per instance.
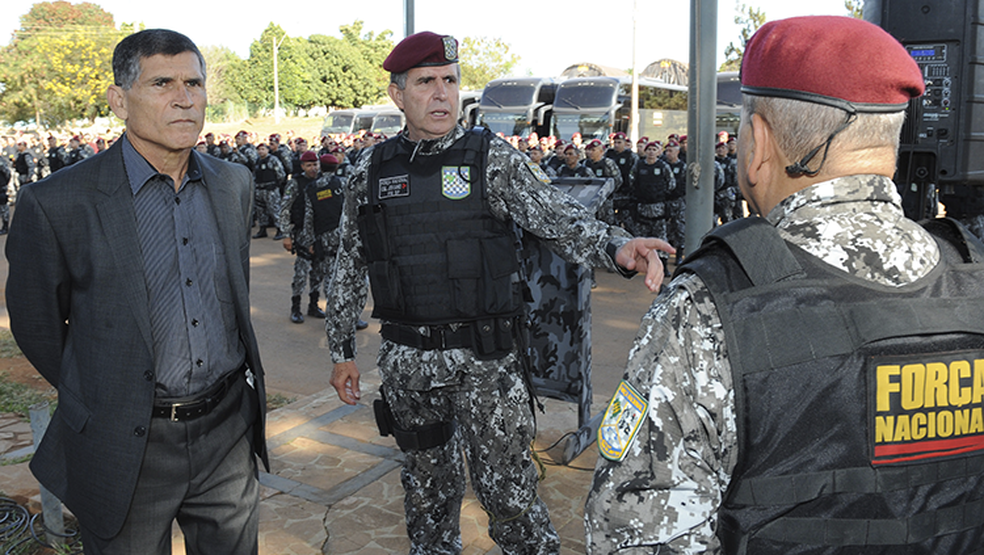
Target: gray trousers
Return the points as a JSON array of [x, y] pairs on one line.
[[201, 473], [494, 430]]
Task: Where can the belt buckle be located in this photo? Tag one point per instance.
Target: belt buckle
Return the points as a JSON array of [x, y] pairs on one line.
[[174, 411]]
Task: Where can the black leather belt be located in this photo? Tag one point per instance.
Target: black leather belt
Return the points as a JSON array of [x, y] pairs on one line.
[[441, 337], [200, 405]]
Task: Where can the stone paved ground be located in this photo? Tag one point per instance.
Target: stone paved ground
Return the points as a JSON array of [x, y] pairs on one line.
[[334, 485]]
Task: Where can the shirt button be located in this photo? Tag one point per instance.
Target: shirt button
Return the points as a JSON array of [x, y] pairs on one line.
[[148, 375], [194, 323], [177, 200], [199, 363], [184, 240], [140, 431], [188, 282]]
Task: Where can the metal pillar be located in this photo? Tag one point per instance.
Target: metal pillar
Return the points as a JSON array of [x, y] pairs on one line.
[[702, 100]]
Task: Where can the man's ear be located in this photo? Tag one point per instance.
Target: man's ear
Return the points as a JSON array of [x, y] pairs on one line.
[[396, 95], [764, 160], [117, 101]]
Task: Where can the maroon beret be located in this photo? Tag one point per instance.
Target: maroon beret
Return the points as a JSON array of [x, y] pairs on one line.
[[837, 61], [328, 160], [593, 143], [619, 135], [653, 143], [570, 146], [309, 156], [275, 137], [422, 49], [242, 133], [643, 140]]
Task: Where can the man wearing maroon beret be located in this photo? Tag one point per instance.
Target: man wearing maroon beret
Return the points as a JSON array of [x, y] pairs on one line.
[[806, 382], [429, 218]]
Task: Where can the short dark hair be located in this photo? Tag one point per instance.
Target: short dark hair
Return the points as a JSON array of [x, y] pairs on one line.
[[144, 44]]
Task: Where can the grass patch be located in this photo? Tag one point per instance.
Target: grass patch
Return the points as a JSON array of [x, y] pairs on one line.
[[18, 398], [8, 347], [276, 400]]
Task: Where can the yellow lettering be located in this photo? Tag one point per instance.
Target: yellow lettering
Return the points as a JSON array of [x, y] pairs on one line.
[[918, 425], [961, 424], [978, 394], [959, 396], [883, 428], [944, 423], [936, 374], [885, 387], [931, 425], [902, 429], [976, 421], [913, 386]]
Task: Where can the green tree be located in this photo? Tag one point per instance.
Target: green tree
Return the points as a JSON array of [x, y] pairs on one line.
[[59, 64], [750, 20], [254, 79], [373, 49], [222, 65], [854, 8], [483, 59], [344, 76]]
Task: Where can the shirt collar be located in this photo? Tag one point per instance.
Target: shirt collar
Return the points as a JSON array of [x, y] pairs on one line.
[[139, 171], [877, 188]]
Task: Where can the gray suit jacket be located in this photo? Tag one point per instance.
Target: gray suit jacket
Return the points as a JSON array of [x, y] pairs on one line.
[[78, 309]]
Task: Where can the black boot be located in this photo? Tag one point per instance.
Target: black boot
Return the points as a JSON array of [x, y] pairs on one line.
[[3, 230], [313, 308], [261, 233], [279, 236], [295, 310]]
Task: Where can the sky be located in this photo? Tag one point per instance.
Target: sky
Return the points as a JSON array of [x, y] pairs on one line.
[[547, 36]]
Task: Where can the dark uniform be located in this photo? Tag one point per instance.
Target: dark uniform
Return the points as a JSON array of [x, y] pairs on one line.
[[474, 377], [677, 206], [806, 384], [726, 195], [622, 197], [269, 174], [25, 167], [57, 158], [606, 167], [5, 175]]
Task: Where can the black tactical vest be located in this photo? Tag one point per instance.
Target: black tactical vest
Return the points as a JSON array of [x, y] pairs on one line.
[[297, 205], [326, 202], [679, 170], [651, 187], [858, 405], [436, 255], [266, 175]]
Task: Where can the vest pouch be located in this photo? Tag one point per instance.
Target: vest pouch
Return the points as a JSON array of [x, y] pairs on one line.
[[387, 295], [499, 295], [372, 228], [464, 275]]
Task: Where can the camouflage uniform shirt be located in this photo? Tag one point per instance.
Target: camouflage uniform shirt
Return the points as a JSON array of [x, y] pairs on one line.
[[664, 496], [514, 193]]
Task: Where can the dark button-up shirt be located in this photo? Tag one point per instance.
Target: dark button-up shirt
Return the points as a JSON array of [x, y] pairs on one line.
[[196, 339]]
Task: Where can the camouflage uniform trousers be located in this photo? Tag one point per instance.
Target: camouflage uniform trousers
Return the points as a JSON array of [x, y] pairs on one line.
[[676, 230], [724, 205], [318, 273], [651, 220], [267, 207], [495, 428], [4, 213]]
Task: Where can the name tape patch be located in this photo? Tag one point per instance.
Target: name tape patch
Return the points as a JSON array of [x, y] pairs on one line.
[[622, 421], [393, 187], [926, 407]]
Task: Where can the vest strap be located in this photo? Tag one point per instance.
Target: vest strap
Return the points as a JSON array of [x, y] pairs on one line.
[[755, 239], [849, 532], [800, 488]]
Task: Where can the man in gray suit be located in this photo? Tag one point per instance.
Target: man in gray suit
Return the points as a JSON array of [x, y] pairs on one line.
[[128, 291]]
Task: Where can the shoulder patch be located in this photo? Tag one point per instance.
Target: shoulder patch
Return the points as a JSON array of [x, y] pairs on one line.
[[538, 172], [621, 422], [456, 182]]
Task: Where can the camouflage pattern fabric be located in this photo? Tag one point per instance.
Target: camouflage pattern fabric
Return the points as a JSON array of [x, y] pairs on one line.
[[975, 224], [430, 377], [663, 496], [267, 207], [483, 399]]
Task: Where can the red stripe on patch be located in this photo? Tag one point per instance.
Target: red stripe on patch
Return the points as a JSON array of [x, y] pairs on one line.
[[928, 449]]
